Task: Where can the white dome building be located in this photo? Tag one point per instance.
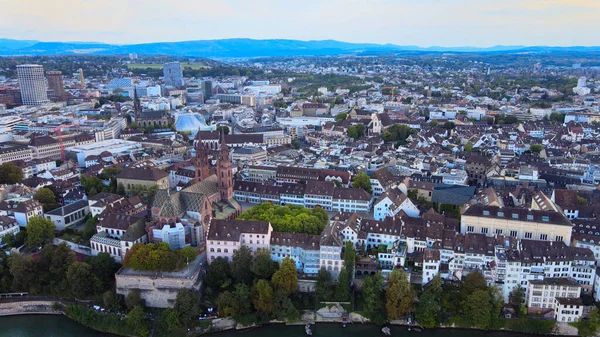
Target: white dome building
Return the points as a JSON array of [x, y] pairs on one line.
[[191, 122]]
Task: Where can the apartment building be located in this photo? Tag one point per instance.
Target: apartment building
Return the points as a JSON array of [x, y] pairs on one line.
[[304, 249], [227, 236], [117, 233], [516, 222], [21, 209], [10, 152], [8, 226], [555, 294]]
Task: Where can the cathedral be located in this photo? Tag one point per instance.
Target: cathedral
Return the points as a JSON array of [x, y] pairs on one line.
[[208, 195]]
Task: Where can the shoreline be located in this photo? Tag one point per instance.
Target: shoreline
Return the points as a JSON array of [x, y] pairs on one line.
[[229, 324]]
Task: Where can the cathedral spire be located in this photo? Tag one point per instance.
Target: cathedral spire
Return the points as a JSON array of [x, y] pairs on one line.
[[224, 171], [200, 161], [137, 107]]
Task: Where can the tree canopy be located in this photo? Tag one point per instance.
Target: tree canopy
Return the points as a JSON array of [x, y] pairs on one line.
[[47, 198], [157, 257], [356, 131], [362, 180], [10, 174], [289, 218], [40, 231], [399, 295]]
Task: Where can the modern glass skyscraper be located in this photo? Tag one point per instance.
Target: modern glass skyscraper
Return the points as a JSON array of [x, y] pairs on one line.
[[32, 84]]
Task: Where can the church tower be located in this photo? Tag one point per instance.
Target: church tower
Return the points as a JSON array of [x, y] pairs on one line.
[[224, 171], [137, 106], [200, 161]]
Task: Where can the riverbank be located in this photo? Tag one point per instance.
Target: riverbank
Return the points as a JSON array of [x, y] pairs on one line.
[[29, 308], [113, 324]]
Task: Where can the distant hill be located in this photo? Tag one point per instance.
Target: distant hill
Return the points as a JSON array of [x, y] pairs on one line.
[[244, 48]]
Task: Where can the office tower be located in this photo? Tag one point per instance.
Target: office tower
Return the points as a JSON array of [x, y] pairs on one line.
[[173, 74], [55, 82], [81, 78], [32, 84], [206, 89]]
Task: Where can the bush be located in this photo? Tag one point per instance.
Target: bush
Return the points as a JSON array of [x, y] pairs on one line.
[[108, 323]]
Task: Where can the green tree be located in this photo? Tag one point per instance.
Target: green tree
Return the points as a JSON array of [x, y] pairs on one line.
[[90, 228], [284, 308], [449, 126], [434, 123], [188, 253], [471, 283], [187, 306], [536, 148], [104, 267], [341, 117], [263, 297], [10, 174], [362, 180], [399, 295], [349, 257], [40, 231], [263, 266], [356, 131], [295, 144], [428, 311], [241, 265], [112, 301], [477, 308], [47, 198], [517, 297], [137, 321], [53, 265], [286, 278], [469, 146], [121, 189], [218, 275], [342, 287], [324, 284], [289, 218], [224, 129], [171, 319], [235, 303], [23, 271], [373, 292], [133, 299], [82, 280]]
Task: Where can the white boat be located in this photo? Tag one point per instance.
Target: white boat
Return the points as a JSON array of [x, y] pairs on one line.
[[308, 330], [386, 331]]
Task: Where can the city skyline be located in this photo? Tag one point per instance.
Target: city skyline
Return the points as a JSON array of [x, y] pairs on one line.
[[405, 22]]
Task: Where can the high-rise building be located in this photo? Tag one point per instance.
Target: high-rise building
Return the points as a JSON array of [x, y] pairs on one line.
[[81, 78], [32, 84], [173, 74], [55, 82], [206, 89]]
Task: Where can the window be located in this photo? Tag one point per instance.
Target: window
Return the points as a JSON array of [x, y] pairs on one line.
[[529, 217], [513, 234], [515, 216], [484, 230], [528, 235], [470, 229], [545, 218], [559, 238], [498, 231], [486, 212], [543, 236], [500, 214]]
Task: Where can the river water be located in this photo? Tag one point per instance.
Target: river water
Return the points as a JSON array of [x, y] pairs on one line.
[[60, 326]]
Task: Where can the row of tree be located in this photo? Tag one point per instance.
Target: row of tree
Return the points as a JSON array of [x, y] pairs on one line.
[[289, 218], [157, 257], [56, 271]]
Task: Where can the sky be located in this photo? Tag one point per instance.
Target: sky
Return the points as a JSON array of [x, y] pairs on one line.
[[424, 23]]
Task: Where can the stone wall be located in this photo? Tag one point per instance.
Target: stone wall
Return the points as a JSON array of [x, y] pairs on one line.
[[27, 307], [157, 292]]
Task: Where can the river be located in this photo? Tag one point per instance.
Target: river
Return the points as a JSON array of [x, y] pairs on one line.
[[60, 326]]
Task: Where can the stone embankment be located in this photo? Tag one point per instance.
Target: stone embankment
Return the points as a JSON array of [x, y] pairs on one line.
[[29, 307]]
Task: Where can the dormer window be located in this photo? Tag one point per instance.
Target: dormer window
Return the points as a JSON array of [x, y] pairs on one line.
[[486, 212], [515, 216], [545, 218]]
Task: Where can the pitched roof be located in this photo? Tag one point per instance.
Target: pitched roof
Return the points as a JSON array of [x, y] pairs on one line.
[[150, 174]]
